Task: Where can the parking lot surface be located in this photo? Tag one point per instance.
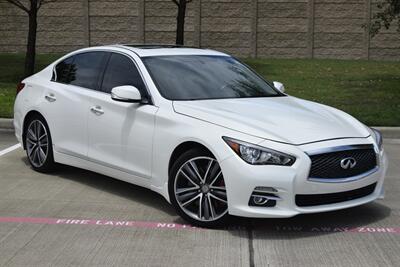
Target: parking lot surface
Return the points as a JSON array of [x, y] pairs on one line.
[[77, 217]]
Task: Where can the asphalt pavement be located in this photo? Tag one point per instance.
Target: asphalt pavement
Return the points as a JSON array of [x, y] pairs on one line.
[[76, 217]]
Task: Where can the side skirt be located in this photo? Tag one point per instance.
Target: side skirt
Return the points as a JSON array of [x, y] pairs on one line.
[[98, 168]]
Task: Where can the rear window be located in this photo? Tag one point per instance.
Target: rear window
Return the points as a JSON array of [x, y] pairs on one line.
[[86, 69], [62, 70], [82, 69]]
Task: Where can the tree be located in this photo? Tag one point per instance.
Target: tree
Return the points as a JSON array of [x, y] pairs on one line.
[[180, 20], [389, 12], [31, 8]]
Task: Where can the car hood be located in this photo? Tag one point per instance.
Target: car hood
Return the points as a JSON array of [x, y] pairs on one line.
[[283, 119]]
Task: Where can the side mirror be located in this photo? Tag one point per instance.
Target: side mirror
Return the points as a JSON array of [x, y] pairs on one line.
[[279, 86], [126, 93]]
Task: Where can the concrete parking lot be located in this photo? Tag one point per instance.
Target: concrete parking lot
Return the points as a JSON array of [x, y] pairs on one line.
[[76, 217]]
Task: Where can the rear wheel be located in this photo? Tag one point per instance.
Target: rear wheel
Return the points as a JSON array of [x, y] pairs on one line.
[[38, 145], [197, 189]]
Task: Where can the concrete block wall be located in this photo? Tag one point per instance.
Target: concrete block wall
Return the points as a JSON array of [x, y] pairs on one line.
[[160, 22], [338, 31], [386, 45], [113, 21], [226, 26], [245, 28], [282, 28], [60, 27]]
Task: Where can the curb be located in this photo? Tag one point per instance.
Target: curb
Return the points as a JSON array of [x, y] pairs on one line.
[[387, 132], [6, 124]]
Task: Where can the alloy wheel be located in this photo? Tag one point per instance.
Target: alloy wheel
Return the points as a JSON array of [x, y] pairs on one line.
[[37, 143], [200, 189]]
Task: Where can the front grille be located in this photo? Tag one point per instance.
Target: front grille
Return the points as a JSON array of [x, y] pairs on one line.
[[331, 198], [327, 165]]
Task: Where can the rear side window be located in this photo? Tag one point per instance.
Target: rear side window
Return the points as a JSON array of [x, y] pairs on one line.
[[86, 69], [62, 70], [122, 71]]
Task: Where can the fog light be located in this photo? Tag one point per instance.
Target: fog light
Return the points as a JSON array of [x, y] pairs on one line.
[[260, 200]]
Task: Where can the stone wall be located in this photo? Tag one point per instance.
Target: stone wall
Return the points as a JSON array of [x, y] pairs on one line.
[[245, 28]]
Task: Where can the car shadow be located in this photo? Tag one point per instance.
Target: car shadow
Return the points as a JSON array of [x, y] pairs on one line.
[[309, 225], [113, 186], [305, 225]]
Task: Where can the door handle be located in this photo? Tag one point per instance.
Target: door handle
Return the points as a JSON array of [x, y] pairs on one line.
[[97, 110], [50, 97]]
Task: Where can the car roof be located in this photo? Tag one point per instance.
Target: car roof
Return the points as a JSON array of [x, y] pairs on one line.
[[146, 50]]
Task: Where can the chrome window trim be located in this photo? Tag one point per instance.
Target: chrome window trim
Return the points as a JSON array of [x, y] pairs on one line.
[[151, 100], [343, 148]]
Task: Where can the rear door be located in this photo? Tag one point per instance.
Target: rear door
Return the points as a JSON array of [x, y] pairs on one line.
[[121, 134], [67, 100]]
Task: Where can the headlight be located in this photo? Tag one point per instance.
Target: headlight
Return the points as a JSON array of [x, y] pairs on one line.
[[257, 155], [378, 137]]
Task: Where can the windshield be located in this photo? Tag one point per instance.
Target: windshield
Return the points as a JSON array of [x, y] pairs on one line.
[[193, 77]]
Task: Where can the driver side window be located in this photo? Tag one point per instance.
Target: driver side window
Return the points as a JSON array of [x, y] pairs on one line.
[[122, 71]]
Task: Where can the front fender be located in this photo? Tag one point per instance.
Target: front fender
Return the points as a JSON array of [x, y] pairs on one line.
[[173, 129]]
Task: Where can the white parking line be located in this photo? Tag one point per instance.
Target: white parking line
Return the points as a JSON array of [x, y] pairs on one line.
[[11, 148]]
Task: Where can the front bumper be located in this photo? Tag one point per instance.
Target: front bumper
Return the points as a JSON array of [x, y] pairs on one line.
[[241, 179]]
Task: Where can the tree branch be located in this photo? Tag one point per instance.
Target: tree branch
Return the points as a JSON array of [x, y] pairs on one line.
[[176, 2], [389, 11], [18, 4]]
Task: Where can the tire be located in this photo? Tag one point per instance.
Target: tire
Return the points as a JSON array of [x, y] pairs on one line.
[[39, 148], [197, 189]]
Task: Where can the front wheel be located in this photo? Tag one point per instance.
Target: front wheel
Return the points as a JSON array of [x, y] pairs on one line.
[[38, 145], [197, 189]]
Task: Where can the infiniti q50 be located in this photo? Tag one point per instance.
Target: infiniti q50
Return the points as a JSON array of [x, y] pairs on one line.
[[200, 128]]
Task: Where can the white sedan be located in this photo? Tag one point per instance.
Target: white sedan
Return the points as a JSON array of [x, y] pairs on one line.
[[200, 128]]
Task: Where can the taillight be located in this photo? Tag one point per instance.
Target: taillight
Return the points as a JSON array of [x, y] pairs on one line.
[[20, 86]]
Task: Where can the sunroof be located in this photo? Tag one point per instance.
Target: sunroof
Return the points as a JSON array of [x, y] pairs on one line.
[[155, 46]]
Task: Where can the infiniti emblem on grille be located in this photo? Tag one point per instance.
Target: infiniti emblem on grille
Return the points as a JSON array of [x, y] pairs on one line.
[[348, 163]]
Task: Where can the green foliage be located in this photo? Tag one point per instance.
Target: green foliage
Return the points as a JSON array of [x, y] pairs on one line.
[[368, 90], [389, 13], [11, 73]]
